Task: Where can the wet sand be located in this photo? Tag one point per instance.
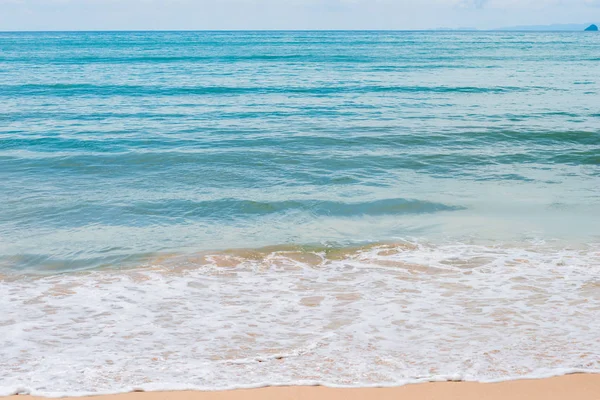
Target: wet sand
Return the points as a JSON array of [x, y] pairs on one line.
[[570, 387]]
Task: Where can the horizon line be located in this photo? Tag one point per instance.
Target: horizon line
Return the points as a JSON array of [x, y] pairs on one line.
[[523, 28]]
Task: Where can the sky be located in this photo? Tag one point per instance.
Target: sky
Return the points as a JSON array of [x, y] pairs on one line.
[[290, 14]]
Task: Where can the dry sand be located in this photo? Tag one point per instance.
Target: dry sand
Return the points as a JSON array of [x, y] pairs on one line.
[[571, 387]]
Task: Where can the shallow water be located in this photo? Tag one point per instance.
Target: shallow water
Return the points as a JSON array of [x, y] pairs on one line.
[[430, 201]]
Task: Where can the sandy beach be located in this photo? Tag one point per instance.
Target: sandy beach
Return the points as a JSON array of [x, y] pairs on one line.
[[575, 387]]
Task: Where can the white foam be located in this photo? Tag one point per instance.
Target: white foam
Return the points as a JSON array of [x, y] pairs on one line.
[[384, 316]]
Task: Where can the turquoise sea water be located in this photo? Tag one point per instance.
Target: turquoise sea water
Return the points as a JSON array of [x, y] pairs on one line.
[[117, 145], [477, 152]]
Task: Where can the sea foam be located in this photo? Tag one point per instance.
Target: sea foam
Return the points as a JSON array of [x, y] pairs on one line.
[[380, 315]]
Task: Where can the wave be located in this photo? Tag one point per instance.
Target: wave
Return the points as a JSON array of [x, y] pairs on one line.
[[209, 141], [174, 211], [90, 90], [352, 163], [375, 315], [410, 61]]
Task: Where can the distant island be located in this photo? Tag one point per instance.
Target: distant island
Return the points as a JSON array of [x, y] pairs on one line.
[[548, 28], [530, 28]]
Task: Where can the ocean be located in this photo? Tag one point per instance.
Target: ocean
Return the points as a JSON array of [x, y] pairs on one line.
[[213, 210]]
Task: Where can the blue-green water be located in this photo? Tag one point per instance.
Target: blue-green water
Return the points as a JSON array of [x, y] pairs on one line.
[[414, 206], [119, 145]]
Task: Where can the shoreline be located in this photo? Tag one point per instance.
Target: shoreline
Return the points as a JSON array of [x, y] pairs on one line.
[[573, 386]]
